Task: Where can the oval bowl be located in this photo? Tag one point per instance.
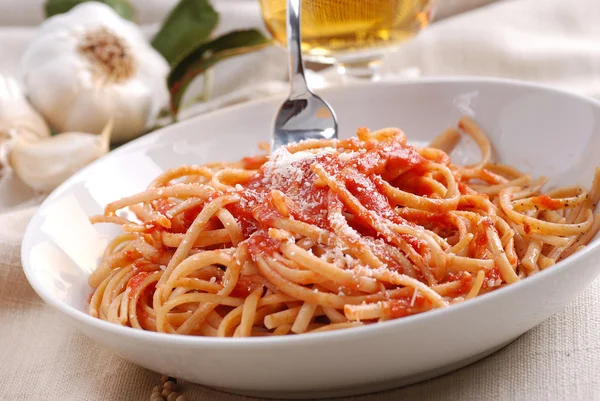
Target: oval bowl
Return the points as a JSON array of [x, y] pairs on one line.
[[539, 130]]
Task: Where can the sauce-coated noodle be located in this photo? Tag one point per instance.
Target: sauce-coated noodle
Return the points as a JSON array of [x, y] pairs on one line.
[[329, 235]]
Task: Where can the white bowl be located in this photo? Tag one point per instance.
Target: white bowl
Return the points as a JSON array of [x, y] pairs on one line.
[[540, 130]]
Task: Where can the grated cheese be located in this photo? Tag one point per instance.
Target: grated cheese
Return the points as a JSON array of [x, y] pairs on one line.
[[414, 296]]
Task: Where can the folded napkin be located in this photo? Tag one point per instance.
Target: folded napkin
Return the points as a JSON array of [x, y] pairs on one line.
[[556, 42]]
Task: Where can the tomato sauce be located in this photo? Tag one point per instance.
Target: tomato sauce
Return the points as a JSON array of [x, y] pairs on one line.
[[253, 162], [362, 228], [479, 245], [491, 275], [419, 246], [163, 205], [130, 255], [404, 306], [243, 288], [367, 194], [464, 189], [465, 283], [188, 216], [547, 202], [361, 170], [260, 243], [137, 280], [439, 219]]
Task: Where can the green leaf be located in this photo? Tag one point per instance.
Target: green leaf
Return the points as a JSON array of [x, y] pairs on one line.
[[208, 54], [188, 25], [122, 7]]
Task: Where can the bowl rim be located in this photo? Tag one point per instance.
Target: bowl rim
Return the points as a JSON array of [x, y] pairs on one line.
[[258, 343]]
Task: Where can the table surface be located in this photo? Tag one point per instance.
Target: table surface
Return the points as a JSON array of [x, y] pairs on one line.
[[43, 358]]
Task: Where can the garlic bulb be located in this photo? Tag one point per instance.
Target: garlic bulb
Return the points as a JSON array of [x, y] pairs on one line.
[[89, 65], [46, 163], [17, 117]]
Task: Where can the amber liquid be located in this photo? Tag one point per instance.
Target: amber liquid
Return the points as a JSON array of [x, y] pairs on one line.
[[336, 29]]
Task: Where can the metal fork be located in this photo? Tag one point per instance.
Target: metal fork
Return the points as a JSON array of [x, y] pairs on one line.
[[303, 115]]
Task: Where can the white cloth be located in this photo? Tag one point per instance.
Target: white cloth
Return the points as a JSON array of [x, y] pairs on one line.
[[552, 41]]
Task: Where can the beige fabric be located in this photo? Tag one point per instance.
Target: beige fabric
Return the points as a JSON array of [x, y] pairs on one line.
[[448, 8], [43, 358], [556, 41]]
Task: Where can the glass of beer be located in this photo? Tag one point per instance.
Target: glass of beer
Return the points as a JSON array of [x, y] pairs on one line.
[[352, 34]]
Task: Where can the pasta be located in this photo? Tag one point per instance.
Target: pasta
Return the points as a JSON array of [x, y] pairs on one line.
[[331, 234]]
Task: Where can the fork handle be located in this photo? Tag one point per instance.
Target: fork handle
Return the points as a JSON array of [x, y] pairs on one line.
[[298, 85]]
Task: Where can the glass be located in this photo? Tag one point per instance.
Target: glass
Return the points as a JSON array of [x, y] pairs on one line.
[[352, 34]]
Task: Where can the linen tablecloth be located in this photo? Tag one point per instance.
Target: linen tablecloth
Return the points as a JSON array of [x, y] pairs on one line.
[[551, 41]]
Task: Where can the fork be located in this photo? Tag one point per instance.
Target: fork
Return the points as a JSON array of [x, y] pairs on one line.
[[303, 115]]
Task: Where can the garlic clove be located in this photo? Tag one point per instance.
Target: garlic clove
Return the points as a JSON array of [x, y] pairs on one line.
[[45, 164], [129, 118], [17, 117], [53, 89]]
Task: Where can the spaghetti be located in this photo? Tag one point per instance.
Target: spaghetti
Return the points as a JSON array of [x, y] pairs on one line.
[[330, 234]]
